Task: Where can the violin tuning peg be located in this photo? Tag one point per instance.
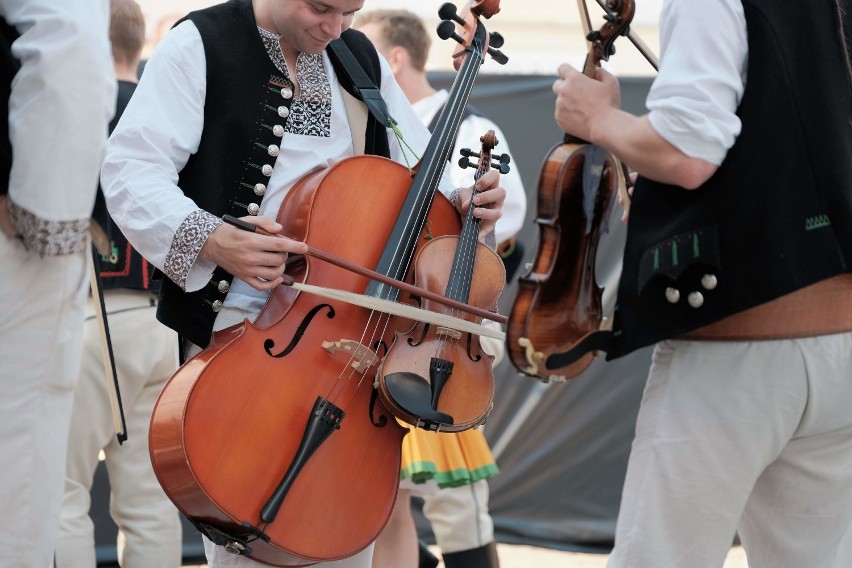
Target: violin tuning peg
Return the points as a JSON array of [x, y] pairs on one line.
[[504, 158], [466, 152], [464, 162], [611, 18], [500, 167], [496, 40], [593, 35]]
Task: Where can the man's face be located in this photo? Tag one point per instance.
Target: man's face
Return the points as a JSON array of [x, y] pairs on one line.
[[308, 26]]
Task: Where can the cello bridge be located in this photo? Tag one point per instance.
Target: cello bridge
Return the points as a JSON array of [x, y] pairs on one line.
[[534, 358], [361, 357]]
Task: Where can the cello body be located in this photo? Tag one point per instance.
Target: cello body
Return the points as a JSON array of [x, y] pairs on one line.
[[229, 423], [558, 301]]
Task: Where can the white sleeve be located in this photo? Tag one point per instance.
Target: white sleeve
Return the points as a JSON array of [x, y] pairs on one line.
[[694, 98], [61, 102], [157, 133]]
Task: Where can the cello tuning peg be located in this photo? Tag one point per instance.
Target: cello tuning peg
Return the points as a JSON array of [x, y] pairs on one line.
[[611, 18], [593, 35], [504, 158], [465, 163], [496, 40], [498, 56], [447, 30], [466, 152], [448, 11]]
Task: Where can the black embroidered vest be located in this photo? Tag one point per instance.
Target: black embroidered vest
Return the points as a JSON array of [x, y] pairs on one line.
[[9, 65], [244, 114], [776, 216]]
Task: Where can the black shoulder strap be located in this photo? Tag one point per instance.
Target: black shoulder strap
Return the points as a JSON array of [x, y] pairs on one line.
[[364, 87], [355, 79]]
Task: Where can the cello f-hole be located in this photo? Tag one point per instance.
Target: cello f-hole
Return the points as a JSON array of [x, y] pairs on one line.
[[300, 331]]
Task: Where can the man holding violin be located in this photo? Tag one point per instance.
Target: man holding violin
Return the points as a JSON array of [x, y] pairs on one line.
[[247, 91], [737, 265]]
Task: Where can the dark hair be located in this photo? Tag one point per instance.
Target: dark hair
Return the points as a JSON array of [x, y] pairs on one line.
[[401, 28], [126, 30]]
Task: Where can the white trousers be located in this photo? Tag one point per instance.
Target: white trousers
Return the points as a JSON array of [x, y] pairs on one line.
[[459, 516], [146, 357], [755, 436], [217, 556], [42, 300]]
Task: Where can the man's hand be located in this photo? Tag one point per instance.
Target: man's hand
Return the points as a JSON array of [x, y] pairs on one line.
[[256, 258], [488, 203], [582, 102]]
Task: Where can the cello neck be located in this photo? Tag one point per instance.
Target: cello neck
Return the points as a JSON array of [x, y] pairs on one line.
[[396, 257]]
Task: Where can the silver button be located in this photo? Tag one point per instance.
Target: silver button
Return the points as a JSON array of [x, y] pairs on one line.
[[672, 295], [266, 169], [272, 150], [223, 286], [253, 208], [709, 281], [278, 130], [217, 305], [259, 189], [695, 299], [287, 93], [283, 111]]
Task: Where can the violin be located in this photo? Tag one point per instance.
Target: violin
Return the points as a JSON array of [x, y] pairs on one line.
[[273, 440], [435, 377], [558, 308]]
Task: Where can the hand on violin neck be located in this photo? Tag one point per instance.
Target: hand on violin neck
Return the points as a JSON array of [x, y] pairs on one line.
[[583, 103], [488, 201], [258, 258]]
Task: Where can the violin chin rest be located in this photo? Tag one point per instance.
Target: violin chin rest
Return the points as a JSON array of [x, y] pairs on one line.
[[413, 394]]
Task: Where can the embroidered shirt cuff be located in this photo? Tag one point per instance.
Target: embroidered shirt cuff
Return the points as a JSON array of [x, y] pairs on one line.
[[187, 243], [46, 237]]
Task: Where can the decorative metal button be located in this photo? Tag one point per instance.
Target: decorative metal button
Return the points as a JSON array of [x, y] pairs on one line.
[[278, 130], [709, 281], [272, 150], [253, 208], [259, 189], [287, 93], [223, 286], [283, 111], [695, 299], [672, 295], [266, 169], [217, 305]]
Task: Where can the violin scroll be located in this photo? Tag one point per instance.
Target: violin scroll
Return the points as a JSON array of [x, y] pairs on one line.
[[618, 17]]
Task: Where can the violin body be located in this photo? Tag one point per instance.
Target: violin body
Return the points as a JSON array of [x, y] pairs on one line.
[[558, 301], [230, 422], [469, 390]]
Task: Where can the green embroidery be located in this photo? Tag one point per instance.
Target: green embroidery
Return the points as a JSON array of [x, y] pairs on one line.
[[674, 254], [817, 222], [695, 245], [656, 259]]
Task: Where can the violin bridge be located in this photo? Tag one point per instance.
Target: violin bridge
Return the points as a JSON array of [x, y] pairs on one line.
[[361, 357], [447, 332]]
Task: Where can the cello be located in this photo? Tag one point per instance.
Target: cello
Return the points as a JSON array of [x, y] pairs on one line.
[[435, 377], [558, 308], [272, 440]]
